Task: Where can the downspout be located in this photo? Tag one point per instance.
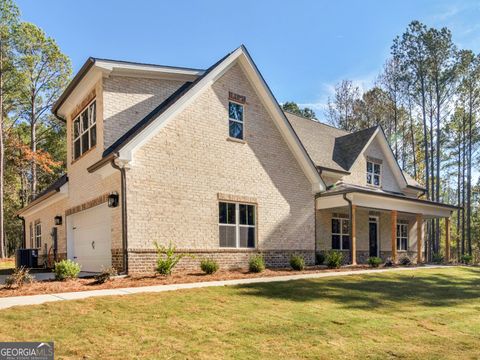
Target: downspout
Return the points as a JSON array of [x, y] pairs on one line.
[[24, 232], [123, 195], [350, 221], [315, 223]]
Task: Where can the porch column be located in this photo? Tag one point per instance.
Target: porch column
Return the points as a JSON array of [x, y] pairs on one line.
[[419, 238], [354, 234], [394, 236], [447, 239]]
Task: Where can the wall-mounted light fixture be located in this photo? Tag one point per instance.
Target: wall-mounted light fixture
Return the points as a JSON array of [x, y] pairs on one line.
[[113, 200], [58, 220]]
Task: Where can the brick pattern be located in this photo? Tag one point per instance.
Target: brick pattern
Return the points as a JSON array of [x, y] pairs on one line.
[[143, 260], [129, 99], [176, 176], [117, 259]]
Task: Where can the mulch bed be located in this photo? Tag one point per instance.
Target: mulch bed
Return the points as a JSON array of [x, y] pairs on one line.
[[85, 284]]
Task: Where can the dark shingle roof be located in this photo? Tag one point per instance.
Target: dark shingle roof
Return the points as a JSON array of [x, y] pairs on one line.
[[55, 186], [347, 148]]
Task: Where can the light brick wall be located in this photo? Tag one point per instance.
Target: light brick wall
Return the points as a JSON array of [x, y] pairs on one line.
[[129, 99], [176, 176], [359, 170]]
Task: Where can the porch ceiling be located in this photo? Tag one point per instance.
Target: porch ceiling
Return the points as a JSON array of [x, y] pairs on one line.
[[385, 202]]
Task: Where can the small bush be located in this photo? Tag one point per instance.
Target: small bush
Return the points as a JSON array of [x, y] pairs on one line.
[[389, 263], [334, 259], [297, 262], [256, 264], [105, 275], [19, 277], [437, 258], [405, 261], [374, 261], [466, 259], [66, 269], [319, 258], [209, 266], [167, 258]]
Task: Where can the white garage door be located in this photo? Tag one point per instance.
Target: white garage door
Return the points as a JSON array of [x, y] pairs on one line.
[[90, 232]]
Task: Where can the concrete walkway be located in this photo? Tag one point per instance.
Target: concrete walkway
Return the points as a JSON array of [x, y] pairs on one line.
[[40, 299]]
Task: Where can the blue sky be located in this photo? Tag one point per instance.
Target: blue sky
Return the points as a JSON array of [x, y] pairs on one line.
[[303, 48]]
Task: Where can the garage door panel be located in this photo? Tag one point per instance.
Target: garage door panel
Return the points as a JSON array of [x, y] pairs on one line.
[[92, 238]]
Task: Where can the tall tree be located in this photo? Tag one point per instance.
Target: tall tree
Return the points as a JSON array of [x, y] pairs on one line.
[[341, 109], [9, 15], [293, 107], [46, 71]]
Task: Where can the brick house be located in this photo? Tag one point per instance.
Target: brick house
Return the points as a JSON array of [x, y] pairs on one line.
[[207, 160]]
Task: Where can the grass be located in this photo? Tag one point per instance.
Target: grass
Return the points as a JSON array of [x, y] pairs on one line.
[[423, 314], [7, 264]]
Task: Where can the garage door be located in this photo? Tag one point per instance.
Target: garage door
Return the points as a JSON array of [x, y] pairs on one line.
[[90, 230]]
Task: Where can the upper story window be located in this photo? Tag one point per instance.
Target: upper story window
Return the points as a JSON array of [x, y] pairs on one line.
[[340, 233], [85, 131], [237, 225], [374, 173], [235, 120], [38, 235], [402, 235]]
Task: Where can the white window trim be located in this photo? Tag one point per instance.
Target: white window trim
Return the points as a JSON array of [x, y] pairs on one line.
[[38, 235], [372, 173], [341, 219], [235, 120], [402, 223], [80, 132], [237, 226]]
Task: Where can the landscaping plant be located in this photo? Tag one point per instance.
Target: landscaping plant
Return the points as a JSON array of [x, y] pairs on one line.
[[19, 277], [209, 266], [466, 259], [437, 258], [374, 261], [167, 258], [297, 262], [334, 259], [319, 258], [256, 264], [405, 261], [66, 269], [105, 275]]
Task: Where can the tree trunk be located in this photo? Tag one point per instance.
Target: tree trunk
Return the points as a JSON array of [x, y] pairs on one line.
[[33, 147], [425, 149], [469, 177], [412, 131], [2, 160], [437, 183]]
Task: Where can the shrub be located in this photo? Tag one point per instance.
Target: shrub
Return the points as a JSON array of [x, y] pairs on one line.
[[374, 261], [209, 266], [334, 259], [105, 275], [405, 261], [19, 277], [389, 263], [167, 258], [466, 259], [320, 258], [297, 262], [437, 258], [256, 264], [66, 269]]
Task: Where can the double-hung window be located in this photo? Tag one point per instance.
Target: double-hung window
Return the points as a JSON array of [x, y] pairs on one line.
[[402, 235], [374, 173], [85, 131], [38, 235], [235, 120], [340, 233], [237, 225], [31, 235]]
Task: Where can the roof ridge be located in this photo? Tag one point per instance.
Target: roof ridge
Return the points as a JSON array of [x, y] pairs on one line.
[[315, 121]]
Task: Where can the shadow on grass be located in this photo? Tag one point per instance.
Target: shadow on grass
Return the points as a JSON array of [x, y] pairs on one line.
[[374, 291]]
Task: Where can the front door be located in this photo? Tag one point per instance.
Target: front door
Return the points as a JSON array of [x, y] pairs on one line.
[[373, 236]]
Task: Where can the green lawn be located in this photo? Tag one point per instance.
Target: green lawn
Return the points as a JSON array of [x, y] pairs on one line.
[[425, 314]]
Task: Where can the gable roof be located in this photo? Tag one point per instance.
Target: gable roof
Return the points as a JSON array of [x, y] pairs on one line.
[[146, 128], [348, 148]]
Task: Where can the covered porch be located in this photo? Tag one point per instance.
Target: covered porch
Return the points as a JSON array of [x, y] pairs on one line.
[[363, 223]]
